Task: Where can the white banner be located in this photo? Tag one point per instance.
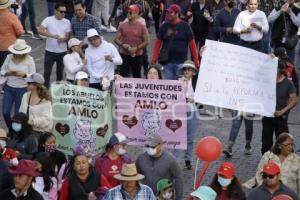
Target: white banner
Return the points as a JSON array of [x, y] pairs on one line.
[[237, 78]]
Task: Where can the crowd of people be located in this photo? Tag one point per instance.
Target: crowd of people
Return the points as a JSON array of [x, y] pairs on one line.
[[31, 166]]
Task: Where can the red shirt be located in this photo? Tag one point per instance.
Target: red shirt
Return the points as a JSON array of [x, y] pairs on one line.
[[107, 167], [132, 33], [64, 192], [223, 196]]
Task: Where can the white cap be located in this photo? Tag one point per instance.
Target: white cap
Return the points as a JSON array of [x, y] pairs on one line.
[[92, 32], [35, 78], [73, 42], [81, 75]]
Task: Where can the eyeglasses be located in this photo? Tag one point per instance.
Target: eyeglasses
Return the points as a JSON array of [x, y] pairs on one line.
[[265, 176], [289, 144]]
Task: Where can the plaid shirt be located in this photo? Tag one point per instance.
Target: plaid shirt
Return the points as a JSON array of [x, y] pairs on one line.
[[79, 28], [118, 193]]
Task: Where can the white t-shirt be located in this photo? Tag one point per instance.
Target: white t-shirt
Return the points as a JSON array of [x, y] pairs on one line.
[[56, 27], [243, 21]]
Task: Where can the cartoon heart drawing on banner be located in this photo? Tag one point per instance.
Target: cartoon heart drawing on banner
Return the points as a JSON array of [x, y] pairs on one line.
[[129, 121], [62, 129], [102, 131], [173, 124]]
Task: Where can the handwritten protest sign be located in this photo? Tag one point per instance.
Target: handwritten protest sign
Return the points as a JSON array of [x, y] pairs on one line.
[[82, 115], [237, 78], [145, 107]]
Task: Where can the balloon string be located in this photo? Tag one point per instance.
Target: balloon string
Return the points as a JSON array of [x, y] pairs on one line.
[[201, 174], [195, 175]]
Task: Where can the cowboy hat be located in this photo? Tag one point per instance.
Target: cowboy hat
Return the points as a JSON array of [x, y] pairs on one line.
[[5, 3], [129, 173], [19, 47], [26, 167]]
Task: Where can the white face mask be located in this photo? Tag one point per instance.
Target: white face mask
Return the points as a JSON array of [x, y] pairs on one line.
[[121, 151], [14, 161], [224, 182], [167, 195], [16, 126], [151, 151], [3, 143]]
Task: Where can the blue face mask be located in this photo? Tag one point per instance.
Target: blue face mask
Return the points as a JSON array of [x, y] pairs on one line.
[[16, 126], [224, 182]]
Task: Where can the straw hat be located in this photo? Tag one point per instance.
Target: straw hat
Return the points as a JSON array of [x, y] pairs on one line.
[[3, 133], [129, 173], [5, 3], [19, 47]]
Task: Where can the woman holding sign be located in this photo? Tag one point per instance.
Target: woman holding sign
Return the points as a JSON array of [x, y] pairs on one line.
[[37, 105]]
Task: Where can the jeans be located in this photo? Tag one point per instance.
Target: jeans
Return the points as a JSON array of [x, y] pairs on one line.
[[145, 61], [3, 55], [11, 96], [258, 46], [88, 4], [171, 71], [131, 65], [269, 126], [192, 127], [50, 59], [235, 127], [50, 8], [28, 9]]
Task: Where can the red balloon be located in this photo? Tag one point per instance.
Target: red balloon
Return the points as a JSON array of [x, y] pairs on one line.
[[209, 148]]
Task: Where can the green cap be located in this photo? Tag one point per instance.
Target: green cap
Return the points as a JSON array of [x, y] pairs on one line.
[[163, 184]]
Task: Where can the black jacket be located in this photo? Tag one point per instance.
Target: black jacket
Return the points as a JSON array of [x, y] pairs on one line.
[[31, 194]]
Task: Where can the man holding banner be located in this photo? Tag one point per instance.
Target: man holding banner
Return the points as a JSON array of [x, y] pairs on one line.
[[102, 57], [286, 99]]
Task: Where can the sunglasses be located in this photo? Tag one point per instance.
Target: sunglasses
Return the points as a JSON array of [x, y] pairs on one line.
[[265, 176], [130, 13], [62, 11], [153, 147]]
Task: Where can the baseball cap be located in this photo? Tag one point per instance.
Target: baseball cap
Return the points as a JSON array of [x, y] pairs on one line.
[[174, 8], [81, 75], [163, 184], [73, 42], [153, 140], [35, 78], [134, 8], [227, 169], [271, 168], [92, 32], [117, 138]]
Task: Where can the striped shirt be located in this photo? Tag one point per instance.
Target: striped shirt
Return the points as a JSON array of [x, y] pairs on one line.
[[118, 193]]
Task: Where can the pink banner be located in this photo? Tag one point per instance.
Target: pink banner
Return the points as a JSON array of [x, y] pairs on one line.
[[148, 106]]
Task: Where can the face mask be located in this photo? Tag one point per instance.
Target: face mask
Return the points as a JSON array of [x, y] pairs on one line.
[[167, 195], [224, 182], [151, 151], [16, 127], [14, 162], [50, 148], [3, 143], [121, 151], [231, 4]]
